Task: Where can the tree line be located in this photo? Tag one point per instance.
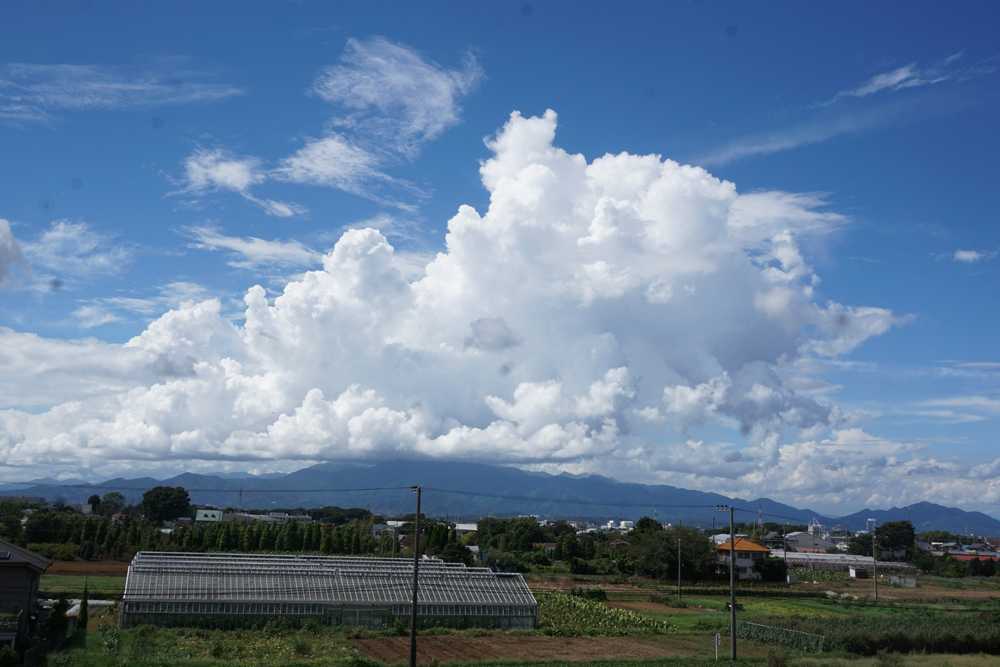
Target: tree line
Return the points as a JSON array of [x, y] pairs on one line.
[[116, 531]]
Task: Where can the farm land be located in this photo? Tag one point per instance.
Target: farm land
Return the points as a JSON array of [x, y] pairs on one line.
[[628, 622]]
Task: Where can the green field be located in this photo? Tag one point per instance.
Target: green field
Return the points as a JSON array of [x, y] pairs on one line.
[[681, 632], [71, 585]]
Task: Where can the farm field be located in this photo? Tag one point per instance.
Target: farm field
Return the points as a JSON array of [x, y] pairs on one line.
[[71, 585], [640, 623], [109, 568]]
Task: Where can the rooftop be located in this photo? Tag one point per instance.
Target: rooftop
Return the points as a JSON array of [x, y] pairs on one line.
[[325, 579]]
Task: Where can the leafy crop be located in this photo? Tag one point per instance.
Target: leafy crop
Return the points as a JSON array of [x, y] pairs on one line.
[[905, 631], [571, 615]]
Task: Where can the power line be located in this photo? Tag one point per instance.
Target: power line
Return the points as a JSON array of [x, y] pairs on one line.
[[567, 501]]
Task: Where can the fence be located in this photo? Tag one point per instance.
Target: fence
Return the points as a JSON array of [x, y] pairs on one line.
[[769, 634]]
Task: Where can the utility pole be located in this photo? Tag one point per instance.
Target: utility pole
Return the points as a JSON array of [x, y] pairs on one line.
[[732, 586], [678, 567], [875, 562], [416, 572], [732, 580], [784, 551]]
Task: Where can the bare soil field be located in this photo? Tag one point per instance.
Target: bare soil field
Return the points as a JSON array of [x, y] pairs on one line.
[[110, 568], [463, 648]]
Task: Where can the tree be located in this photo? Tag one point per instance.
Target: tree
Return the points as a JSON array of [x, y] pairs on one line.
[[95, 502], [454, 552], [111, 503], [860, 545], [57, 623], [771, 569], [165, 503], [895, 540], [647, 525]]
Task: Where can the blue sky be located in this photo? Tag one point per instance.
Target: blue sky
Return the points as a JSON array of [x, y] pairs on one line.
[[146, 147]]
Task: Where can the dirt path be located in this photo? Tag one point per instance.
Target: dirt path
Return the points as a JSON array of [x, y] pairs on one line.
[[460, 648]]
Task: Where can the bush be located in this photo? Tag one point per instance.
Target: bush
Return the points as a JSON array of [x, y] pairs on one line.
[[590, 593], [110, 637], [8, 658]]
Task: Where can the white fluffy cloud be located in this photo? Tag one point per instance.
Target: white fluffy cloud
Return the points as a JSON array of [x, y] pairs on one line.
[[594, 310]]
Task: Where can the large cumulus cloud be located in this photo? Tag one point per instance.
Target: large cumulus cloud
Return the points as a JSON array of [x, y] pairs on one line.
[[594, 309]]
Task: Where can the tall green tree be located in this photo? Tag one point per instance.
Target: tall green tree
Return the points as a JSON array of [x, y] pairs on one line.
[[165, 503]]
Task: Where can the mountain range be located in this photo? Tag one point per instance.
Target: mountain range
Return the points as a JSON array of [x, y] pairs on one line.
[[460, 490]]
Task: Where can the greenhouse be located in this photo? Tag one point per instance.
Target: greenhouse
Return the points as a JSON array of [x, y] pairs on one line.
[[243, 589]]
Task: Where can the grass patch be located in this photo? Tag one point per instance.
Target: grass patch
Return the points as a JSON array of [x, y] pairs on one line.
[[71, 585], [147, 646]]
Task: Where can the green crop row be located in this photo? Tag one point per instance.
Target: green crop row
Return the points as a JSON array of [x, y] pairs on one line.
[[901, 631], [570, 615]]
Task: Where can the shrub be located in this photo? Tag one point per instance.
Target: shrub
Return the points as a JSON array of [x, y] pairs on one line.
[[301, 647], [110, 637], [590, 593], [776, 658]]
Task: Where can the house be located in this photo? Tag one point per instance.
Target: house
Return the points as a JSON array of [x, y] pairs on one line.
[[748, 553], [20, 572], [464, 528], [207, 515], [807, 543]]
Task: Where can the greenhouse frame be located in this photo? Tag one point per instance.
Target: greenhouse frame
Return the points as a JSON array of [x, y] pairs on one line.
[[169, 588]]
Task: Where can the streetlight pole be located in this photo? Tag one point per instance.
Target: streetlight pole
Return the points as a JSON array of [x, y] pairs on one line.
[[416, 572]]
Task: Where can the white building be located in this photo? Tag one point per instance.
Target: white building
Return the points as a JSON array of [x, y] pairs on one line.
[[208, 515]]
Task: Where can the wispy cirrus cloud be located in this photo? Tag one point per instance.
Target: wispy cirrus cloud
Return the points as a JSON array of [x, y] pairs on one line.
[[823, 123], [973, 256], [959, 409], [913, 75], [73, 249], [34, 92], [249, 252], [100, 311], [392, 96], [388, 102], [814, 131], [212, 170]]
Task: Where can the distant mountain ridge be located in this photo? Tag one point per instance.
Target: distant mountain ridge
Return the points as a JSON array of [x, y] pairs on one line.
[[462, 490]]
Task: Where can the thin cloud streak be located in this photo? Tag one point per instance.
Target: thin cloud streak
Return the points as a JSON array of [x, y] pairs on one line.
[[32, 92], [913, 75]]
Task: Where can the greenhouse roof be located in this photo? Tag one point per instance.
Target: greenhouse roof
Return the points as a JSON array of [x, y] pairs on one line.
[[335, 580]]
